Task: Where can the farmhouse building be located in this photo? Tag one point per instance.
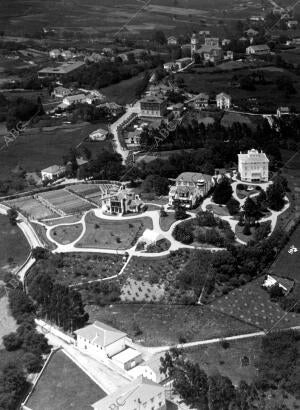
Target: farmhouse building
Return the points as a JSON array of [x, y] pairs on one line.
[[201, 101], [52, 173], [74, 99], [100, 340], [149, 369], [258, 50], [60, 71], [98, 135], [152, 106], [253, 166], [189, 188], [285, 284], [138, 394], [172, 41], [223, 101]]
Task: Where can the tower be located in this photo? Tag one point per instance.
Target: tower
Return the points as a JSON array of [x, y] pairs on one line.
[[194, 44]]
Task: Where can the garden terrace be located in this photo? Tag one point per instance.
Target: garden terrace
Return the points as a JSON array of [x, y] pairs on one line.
[[251, 304], [57, 388], [65, 234], [165, 324], [65, 201], [112, 234], [32, 208], [77, 268], [14, 248]]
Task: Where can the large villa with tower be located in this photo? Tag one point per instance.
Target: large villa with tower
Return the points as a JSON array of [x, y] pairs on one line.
[[189, 188], [253, 166]]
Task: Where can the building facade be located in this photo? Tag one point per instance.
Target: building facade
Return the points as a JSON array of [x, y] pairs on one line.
[[123, 202], [258, 50], [223, 101], [189, 188], [253, 166], [153, 106], [52, 173]]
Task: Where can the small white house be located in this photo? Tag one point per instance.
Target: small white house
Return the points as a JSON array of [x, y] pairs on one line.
[[55, 53], [98, 135], [149, 369], [61, 92], [223, 101], [253, 166], [100, 340], [282, 111], [74, 99], [258, 50], [285, 284], [53, 172]]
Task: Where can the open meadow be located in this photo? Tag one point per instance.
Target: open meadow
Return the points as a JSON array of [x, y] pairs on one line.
[[14, 248]]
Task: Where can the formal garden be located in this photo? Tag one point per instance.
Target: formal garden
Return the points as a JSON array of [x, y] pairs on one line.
[[112, 234]]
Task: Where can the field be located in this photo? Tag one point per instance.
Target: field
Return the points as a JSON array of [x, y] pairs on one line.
[[40, 149], [124, 92], [251, 304], [14, 247], [31, 207], [166, 222], [58, 387], [164, 324], [66, 234], [229, 361], [105, 234], [65, 201]]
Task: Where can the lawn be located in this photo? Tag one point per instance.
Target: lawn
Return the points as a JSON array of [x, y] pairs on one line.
[[41, 233], [74, 268], [166, 222], [63, 220], [8, 323], [106, 234], [14, 248], [218, 209], [251, 303], [65, 234], [123, 92], [241, 236], [229, 361], [164, 324], [36, 150], [63, 385]]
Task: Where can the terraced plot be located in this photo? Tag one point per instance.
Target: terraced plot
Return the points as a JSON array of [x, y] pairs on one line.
[[32, 208], [66, 201]]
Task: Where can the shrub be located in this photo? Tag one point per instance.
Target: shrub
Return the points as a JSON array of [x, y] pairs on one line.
[[12, 341], [233, 206], [182, 234], [246, 230], [223, 192]]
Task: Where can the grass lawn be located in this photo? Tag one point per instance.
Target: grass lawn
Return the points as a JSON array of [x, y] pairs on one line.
[[166, 222], [8, 357], [76, 268], [251, 303], [63, 220], [102, 233], [39, 150], [286, 264], [14, 247], [228, 361], [66, 234], [123, 92], [218, 210], [63, 385], [41, 233], [164, 324], [241, 236], [8, 323]]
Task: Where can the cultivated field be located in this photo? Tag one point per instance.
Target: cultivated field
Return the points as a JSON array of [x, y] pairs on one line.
[[164, 324], [14, 247], [58, 387], [105, 234], [251, 304]]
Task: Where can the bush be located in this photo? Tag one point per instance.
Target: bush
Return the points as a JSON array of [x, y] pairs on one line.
[[223, 192], [32, 362], [182, 234], [233, 206], [246, 230], [12, 341]]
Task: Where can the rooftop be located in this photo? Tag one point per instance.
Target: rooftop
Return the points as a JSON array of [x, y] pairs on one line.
[[140, 390], [260, 47], [126, 355], [64, 68], [193, 177], [100, 334], [253, 155], [53, 169]]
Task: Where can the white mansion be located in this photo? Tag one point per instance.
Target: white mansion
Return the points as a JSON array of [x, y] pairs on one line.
[[253, 166]]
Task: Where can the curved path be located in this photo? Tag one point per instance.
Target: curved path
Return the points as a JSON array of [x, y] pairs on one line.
[[233, 222]]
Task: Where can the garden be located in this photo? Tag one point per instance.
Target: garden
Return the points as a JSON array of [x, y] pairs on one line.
[[32, 208], [115, 234], [73, 268], [204, 229], [66, 234], [66, 201]]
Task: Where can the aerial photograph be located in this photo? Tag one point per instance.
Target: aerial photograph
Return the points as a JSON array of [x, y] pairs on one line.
[[149, 205]]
